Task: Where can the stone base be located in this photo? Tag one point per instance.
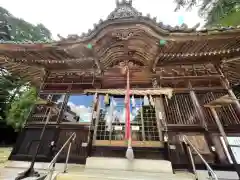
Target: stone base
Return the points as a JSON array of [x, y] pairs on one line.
[[95, 174], [126, 165]]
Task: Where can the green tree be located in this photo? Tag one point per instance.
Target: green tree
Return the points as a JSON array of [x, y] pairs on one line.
[[20, 108], [9, 88], [24, 31], [17, 96], [232, 19], [214, 11]]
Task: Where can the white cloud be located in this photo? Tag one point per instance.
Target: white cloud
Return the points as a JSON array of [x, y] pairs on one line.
[[82, 111], [77, 16], [85, 113]]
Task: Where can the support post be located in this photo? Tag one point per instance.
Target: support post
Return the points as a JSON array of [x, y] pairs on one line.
[[57, 130], [29, 116], [142, 122], [97, 120], [30, 171], [201, 116], [94, 121], [197, 106], [225, 83], [41, 136], [158, 110], [63, 108], [223, 134]]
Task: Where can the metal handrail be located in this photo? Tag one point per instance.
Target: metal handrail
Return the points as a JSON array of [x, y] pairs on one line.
[[51, 165], [210, 170]]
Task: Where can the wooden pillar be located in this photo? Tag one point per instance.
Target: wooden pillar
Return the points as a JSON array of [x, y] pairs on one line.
[[223, 134], [29, 116], [201, 116], [143, 126], [60, 116], [63, 107], [57, 128], [197, 105], [159, 110], [97, 119], [94, 123], [225, 83]]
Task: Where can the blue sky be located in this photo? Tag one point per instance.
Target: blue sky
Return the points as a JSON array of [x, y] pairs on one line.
[[81, 100], [81, 105]]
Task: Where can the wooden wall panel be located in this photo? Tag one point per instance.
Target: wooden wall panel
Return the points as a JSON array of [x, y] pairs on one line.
[[180, 155], [29, 138], [78, 150], [200, 143]]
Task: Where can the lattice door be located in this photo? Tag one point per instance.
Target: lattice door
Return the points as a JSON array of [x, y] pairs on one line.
[[111, 124]]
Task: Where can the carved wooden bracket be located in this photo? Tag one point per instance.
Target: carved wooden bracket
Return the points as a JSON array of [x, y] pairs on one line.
[[124, 34]]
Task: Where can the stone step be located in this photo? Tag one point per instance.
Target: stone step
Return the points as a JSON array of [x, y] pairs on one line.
[[126, 165], [222, 175], [121, 175]]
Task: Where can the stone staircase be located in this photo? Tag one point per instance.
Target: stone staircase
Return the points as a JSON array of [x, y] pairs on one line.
[[123, 169], [112, 168], [122, 175]]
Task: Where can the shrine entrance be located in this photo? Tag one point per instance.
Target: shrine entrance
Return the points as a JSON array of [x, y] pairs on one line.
[[110, 126]]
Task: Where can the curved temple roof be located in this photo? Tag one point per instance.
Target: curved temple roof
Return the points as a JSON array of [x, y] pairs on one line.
[[126, 36]]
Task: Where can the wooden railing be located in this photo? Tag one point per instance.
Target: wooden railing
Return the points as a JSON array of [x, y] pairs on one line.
[[181, 111]]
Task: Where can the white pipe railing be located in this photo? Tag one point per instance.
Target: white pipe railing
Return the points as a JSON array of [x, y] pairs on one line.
[[189, 144], [54, 160]]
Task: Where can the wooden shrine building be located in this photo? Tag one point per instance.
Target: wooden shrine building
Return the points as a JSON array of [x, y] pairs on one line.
[[197, 66]]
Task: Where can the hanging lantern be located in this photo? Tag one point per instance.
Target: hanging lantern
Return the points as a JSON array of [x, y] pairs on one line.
[[89, 46], [162, 42]]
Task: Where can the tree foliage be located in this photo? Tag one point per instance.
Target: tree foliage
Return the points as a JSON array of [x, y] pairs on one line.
[[20, 108], [212, 10], [9, 88], [16, 96], [24, 31], [233, 19]]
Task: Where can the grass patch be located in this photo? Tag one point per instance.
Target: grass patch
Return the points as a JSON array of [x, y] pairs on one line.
[[4, 154]]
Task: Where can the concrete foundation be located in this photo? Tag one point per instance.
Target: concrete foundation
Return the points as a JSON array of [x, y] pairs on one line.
[[126, 165]]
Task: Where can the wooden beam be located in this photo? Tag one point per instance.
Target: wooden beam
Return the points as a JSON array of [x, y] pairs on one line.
[[231, 60], [166, 78], [97, 62], [187, 61], [207, 77], [122, 143], [220, 102], [227, 86], [155, 62], [175, 90]]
